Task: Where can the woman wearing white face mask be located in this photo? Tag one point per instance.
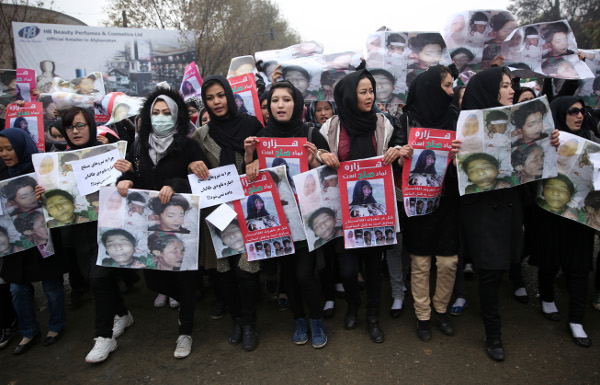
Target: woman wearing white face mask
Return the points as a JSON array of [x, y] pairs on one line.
[[160, 158]]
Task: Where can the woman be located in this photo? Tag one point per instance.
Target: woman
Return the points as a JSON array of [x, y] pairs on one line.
[[357, 132], [27, 266], [574, 257], [286, 106], [222, 140], [239, 102], [21, 123], [160, 158], [523, 94], [320, 111], [430, 104]]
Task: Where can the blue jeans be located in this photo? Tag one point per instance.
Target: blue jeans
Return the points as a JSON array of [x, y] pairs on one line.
[[23, 303]]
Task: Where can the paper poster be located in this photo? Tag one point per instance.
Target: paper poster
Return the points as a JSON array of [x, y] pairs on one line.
[[423, 174], [8, 90], [140, 232], [589, 90], [25, 83], [191, 85], [320, 205], [246, 95], [289, 152], [262, 219], [62, 202], [117, 106], [95, 171], [504, 147], [287, 198], [272, 58], [242, 65], [29, 118], [230, 240], [22, 223], [572, 194], [368, 203], [548, 49], [223, 185]]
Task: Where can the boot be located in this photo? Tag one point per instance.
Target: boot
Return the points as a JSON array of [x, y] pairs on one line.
[[249, 337], [377, 334], [350, 319], [236, 333]]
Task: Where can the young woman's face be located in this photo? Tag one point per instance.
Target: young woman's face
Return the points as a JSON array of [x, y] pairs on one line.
[[470, 126], [367, 191], [205, 118], [574, 122], [61, 209], [482, 173], [506, 93], [7, 152], [192, 112], [55, 134], [172, 218], [79, 136], [525, 96], [264, 110], [23, 124], [365, 95], [324, 226], [323, 111], [4, 243], [430, 160], [560, 43], [447, 85], [49, 111], [114, 201], [310, 185], [430, 55], [557, 194], [533, 127], [216, 100], [39, 230], [232, 237], [298, 80], [384, 88], [26, 199], [172, 255], [259, 204], [534, 164], [239, 102], [282, 105], [120, 249]]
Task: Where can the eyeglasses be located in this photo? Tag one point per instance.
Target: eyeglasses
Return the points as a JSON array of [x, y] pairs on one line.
[[574, 111], [78, 126]]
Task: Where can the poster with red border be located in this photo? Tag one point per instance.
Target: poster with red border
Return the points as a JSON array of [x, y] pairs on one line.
[[29, 117], [290, 152], [191, 85], [423, 175], [26, 82], [262, 219], [245, 87], [368, 203]]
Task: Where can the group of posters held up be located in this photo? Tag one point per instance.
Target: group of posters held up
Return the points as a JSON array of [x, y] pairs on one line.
[[29, 118], [289, 152], [423, 174], [72, 180], [504, 147], [140, 232], [245, 94]]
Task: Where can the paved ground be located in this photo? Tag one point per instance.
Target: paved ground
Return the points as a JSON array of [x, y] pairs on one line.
[[538, 351]]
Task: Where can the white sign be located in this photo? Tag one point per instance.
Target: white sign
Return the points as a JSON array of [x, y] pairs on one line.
[[223, 185], [96, 171], [222, 216]]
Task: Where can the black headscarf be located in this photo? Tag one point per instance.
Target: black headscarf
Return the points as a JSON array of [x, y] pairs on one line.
[[24, 147], [428, 104], [559, 108], [312, 113], [89, 117], [483, 88], [359, 125], [292, 128], [253, 213], [421, 166], [358, 196], [229, 131]]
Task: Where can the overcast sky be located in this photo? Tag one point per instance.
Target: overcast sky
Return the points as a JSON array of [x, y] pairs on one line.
[[338, 25]]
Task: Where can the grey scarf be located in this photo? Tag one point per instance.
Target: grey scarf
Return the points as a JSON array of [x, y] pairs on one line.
[[159, 144]]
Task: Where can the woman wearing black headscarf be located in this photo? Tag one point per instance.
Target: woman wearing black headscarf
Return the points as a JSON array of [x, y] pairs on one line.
[[357, 132], [286, 105], [222, 140], [430, 105], [550, 252]]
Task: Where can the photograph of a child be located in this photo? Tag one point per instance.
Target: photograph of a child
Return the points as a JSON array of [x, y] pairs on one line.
[[47, 170], [120, 248], [10, 239], [61, 208], [497, 133], [111, 210], [305, 75], [470, 132], [390, 235], [566, 155], [322, 223], [330, 191], [482, 171], [428, 168], [178, 215], [136, 208], [32, 226], [260, 211], [292, 166], [228, 242], [556, 195], [366, 197], [241, 65], [169, 251], [309, 195], [18, 195]]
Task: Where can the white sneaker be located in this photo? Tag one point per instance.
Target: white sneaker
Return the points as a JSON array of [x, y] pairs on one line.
[[102, 348], [121, 323], [173, 303], [468, 268], [160, 301], [184, 346]]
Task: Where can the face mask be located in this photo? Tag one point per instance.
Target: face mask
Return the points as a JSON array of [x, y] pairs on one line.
[[60, 145], [162, 124], [194, 119]]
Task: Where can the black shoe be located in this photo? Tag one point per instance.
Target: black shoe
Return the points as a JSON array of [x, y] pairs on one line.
[[583, 342], [350, 319], [217, 310], [424, 330], [75, 298], [522, 298], [236, 333], [52, 340], [494, 349], [249, 338], [554, 316], [5, 336], [328, 313], [395, 313], [377, 334], [445, 324], [20, 349], [283, 304]]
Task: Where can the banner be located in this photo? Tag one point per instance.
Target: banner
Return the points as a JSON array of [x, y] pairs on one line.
[[140, 232], [368, 203], [273, 58], [423, 174], [223, 185], [191, 85], [29, 118], [25, 83], [246, 95], [289, 152], [131, 60], [504, 147]]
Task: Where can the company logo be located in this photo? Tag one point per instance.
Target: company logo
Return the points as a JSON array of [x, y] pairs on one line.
[[29, 32]]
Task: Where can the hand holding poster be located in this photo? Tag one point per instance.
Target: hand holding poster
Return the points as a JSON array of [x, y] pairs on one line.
[[368, 203], [95, 171], [246, 95], [191, 85], [504, 147], [25, 83], [29, 118], [223, 185], [289, 152], [423, 174]]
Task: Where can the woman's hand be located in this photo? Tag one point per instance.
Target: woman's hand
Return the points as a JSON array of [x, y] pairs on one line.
[[35, 93], [102, 139], [277, 74], [406, 151], [249, 148], [165, 194], [39, 191], [199, 169], [498, 60], [312, 155], [252, 171], [456, 146], [554, 140], [124, 186], [391, 155], [124, 165], [330, 160]]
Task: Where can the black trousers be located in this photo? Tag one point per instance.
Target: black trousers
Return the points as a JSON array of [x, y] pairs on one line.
[[301, 283], [577, 285], [329, 275], [489, 284], [107, 300], [7, 311], [349, 267], [240, 289]]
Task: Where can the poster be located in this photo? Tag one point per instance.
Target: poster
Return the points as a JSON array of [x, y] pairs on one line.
[[246, 95], [320, 205], [289, 152], [8, 90], [29, 118], [270, 59], [140, 232], [504, 147], [62, 202], [131, 60], [22, 223], [262, 219], [25, 83], [223, 185], [117, 106], [242, 65], [572, 194], [230, 240], [191, 85], [423, 175], [590, 88], [368, 203]]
